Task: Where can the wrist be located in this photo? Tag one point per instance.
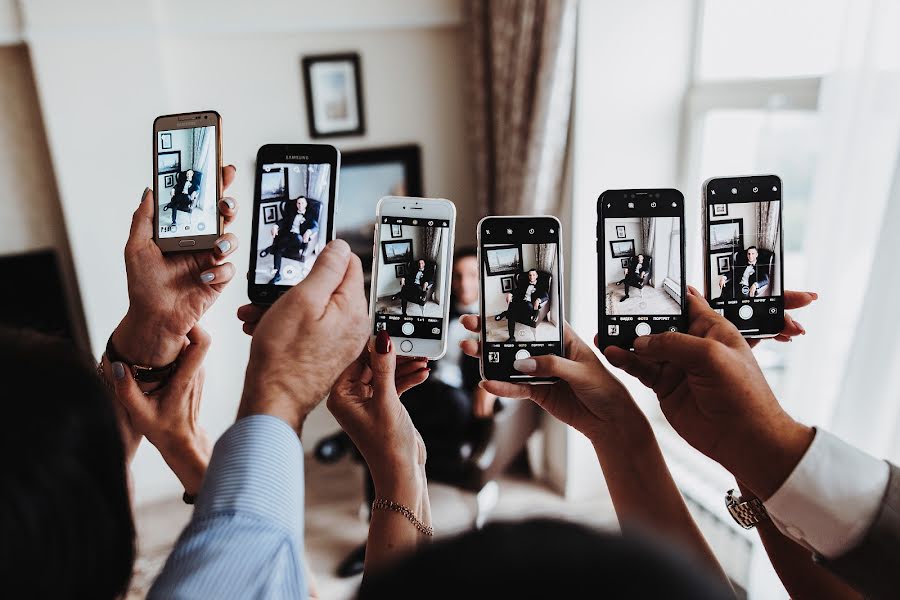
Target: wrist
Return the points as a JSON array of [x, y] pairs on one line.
[[271, 396], [144, 341], [630, 430], [405, 485], [188, 457]]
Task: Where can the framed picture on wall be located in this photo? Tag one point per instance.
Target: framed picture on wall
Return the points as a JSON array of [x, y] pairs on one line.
[[273, 185], [334, 98], [169, 162], [400, 270], [165, 141], [501, 260], [270, 214], [720, 210], [507, 283], [621, 248], [397, 252], [620, 231], [726, 235], [624, 263], [396, 230], [724, 263], [169, 181]]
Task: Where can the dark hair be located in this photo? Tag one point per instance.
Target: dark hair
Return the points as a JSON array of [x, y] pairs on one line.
[[544, 558], [464, 252], [66, 529], [751, 248], [530, 270]]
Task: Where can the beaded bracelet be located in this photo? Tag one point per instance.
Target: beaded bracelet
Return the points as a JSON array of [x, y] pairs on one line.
[[406, 512]]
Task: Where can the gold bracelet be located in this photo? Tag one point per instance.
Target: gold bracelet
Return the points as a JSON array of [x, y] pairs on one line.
[[406, 512]]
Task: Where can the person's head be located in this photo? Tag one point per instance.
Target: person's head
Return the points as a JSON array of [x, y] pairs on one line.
[[65, 517], [544, 558], [640, 258], [752, 255], [301, 204], [189, 174], [464, 283], [532, 276], [421, 264]]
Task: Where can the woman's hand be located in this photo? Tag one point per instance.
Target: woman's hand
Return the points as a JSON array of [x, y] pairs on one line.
[[168, 417], [168, 293]]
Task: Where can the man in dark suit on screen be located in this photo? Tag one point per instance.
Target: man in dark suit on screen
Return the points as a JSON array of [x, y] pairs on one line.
[[293, 232], [524, 302]]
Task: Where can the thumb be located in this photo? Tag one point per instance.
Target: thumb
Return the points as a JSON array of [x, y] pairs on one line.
[[129, 395], [549, 365], [681, 349], [383, 363]]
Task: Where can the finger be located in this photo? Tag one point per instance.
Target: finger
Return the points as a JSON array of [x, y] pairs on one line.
[[549, 365], [190, 361], [351, 294], [694, 291], [383, 362], [471, 322], [228, 208], [471, 348], [408, 367], [408, 382], [218, 275], [249, 328], [794, 300], [228, 174], [324, 278], [142, 219], [681, 349], [504, 389], [130, 396], [251, 313], [645, 371], [792, 327], [225, 245]]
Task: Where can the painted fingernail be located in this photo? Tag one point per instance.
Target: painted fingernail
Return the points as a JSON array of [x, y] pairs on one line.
[[223, 246], [228, 202], [207, 277], [383, 342], [118, 370], [641, 343], [525, 365], [800, 327], [144, 194]]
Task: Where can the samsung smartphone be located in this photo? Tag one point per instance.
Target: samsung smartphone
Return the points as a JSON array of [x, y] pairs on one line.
[[640, 275], [187, 163], [744, 251], [293, 215], [521, 293], [411, 260]]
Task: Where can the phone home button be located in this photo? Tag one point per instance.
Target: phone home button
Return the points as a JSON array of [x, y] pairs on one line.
[[523, 354], [642, 329], [406, 346], [408, 328], [187, 243], [746, 311]]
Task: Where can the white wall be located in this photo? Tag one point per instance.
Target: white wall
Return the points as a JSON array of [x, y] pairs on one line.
[[388, 283], [613, 268], [106, 69]]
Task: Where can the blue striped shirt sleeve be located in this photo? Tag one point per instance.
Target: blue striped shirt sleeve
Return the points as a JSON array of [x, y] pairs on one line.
[[245, 538]]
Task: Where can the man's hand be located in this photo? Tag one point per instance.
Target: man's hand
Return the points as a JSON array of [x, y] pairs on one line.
[[722, 281], [168, 293], [274, 231], [714, 394], [508, 297], [307, 236], [753, 289], [307, 338]]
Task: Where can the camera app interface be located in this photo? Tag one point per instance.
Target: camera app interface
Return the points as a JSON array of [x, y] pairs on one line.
[[292, 221], [521, 303], [411, 277], [642, 265], [186, 181], [744, 253]]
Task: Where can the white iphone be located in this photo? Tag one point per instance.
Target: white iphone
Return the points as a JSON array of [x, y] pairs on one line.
[[411, 259]]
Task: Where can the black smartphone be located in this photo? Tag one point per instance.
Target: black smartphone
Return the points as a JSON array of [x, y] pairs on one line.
[[744, 250], [293, 215], [521, 294], [640, 274]]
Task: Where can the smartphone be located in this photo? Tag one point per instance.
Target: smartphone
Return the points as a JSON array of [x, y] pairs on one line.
[[293, 215], [521, 293], [640, 266], [744, 249], [411, 261], [187, 163]]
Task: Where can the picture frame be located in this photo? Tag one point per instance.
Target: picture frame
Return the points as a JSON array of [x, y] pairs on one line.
[[502, 260], [165, 141], [399, 251], [624, 263], [400, 270], [723, 262], [273, 184], [620, 248], [396, 230], [169, 181], [620, 231], [334, 96], [726, 235], [507, 283], [270, 213], [168, 162], [720, 210]]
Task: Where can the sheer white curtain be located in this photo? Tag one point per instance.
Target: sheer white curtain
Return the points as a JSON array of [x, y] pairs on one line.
[[845, 375], [200, 150]]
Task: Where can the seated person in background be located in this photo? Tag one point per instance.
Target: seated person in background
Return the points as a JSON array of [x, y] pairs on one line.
[[637, 269], [523, 303], [184, 193], [414, 285], [745, 280], [292, 233]]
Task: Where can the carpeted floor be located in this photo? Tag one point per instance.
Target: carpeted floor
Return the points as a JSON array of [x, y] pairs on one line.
[[545, 332], [386, 306], [654, 302]]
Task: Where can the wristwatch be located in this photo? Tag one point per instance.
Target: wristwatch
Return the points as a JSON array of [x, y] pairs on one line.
[[141, 373], [747, 513]]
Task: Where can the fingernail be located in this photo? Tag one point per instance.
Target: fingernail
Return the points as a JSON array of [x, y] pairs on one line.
[[800, 327], [641, 343], [144, 194], [383, 342], [339, 246], [814, 295], [207, 277], [525, 365], [228, 202], [118, 370], [223, 246]]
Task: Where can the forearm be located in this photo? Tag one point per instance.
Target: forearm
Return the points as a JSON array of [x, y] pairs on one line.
[[188, 460], [642, 489], [145, 342], [391, 534]]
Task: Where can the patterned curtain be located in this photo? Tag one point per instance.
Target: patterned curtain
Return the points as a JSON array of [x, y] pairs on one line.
[[767, 225], [432, 253], [200, 149], [544, 257], [521, 64], [648, 241]]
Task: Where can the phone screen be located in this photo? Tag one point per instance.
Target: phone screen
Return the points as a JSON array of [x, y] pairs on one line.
[[744, 252], [411, 265], [641, 272], [293, 207], [186, 182], [521, 293]]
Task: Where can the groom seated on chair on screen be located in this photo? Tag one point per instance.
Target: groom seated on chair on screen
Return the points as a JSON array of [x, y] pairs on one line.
[[414, 286], [748, 278], [638, 269], [523, 303], [292, 233]]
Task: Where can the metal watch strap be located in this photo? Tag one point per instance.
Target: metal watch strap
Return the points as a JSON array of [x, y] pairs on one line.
[[141, 373], [746, 513]]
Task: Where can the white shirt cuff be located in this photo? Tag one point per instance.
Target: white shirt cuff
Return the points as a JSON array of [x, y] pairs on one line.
[[831, 498]]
